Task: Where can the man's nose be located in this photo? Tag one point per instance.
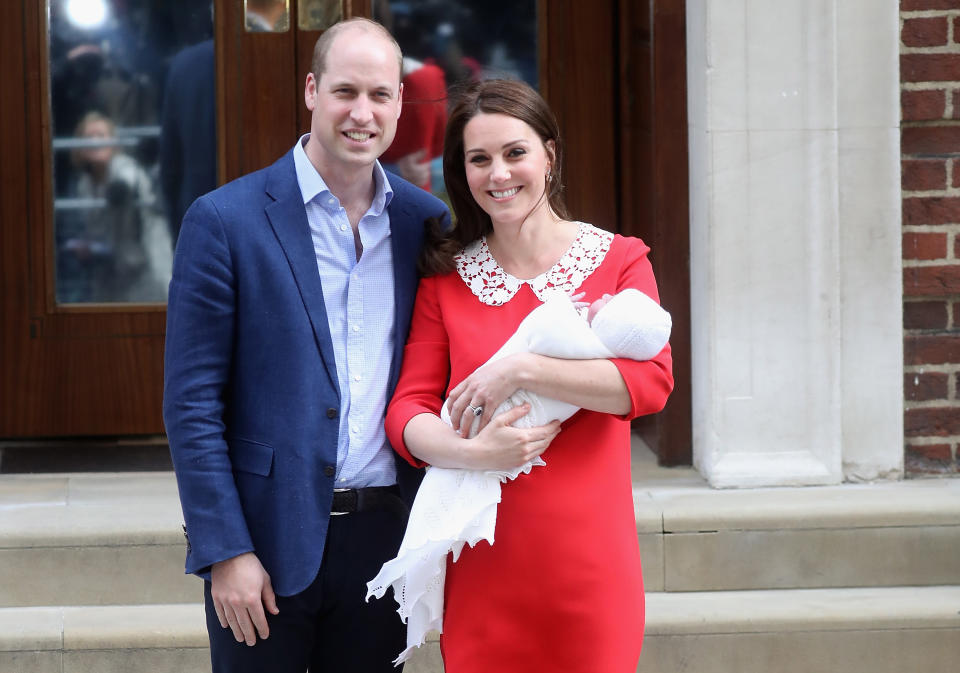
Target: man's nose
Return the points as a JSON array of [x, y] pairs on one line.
[[361, 111]]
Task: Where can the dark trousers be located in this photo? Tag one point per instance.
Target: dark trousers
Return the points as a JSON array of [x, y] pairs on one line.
[[329, 627]]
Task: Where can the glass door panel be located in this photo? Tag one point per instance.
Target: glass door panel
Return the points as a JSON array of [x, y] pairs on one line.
[[132, 110], [445, 44]]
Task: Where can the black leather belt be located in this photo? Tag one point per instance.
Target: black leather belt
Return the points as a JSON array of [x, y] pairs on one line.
[[349, 500]]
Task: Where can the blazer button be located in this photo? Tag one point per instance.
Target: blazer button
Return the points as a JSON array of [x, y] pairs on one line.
[[331, 412], [329, 470]]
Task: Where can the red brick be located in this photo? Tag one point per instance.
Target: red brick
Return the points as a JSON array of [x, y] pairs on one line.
[[931, 349], [929, 31], [924, 246], [923, 387], [925, 105], [930, 140], [956, 246], [920, 5], [931, 281], [931, 210], [956, 317], [929, 67], [924, 175], [932, 451], [956, 172], [932, 422], [956, 29], [933, 459], [956, 97], [925, 315]]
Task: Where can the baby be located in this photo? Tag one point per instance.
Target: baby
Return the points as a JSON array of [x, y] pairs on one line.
[[454, 506]]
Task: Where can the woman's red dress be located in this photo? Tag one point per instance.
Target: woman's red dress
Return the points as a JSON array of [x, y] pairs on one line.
[[561, 588]]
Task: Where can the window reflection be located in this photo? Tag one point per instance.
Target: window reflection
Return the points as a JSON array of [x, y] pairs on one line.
[[114, 138], [267, 16], [445, 43]]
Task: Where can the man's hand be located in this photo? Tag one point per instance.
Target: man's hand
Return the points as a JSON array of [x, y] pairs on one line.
[[240, 588]]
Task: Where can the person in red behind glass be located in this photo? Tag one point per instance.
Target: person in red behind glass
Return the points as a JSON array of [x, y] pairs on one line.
[[561, 587], [420, 128]]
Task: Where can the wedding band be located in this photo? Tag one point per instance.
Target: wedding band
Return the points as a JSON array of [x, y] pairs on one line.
[[476, 410]]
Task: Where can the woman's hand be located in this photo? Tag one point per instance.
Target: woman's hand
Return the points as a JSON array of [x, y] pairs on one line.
[[499, 446], [486, 389]]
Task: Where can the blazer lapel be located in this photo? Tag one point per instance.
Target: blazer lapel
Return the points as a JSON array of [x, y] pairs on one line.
[[288, 218], [405, 244]]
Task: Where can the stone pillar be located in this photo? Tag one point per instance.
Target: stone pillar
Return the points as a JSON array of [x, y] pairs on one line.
[[795, 240]]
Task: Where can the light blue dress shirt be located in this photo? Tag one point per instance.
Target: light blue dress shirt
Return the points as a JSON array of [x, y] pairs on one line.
[[359, 298]]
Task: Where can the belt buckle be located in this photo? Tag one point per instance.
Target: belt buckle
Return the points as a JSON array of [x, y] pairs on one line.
[[340, 490]]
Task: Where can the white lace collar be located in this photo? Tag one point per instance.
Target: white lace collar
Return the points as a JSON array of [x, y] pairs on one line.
[[494, 287]]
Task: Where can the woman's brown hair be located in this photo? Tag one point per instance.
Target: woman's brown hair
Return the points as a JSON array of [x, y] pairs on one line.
[[493, 96]]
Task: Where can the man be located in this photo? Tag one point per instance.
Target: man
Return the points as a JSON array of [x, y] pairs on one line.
[[289, 305], [188, 138]]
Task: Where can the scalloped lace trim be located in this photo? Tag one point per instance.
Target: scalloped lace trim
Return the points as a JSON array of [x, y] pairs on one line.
[[494, 287]]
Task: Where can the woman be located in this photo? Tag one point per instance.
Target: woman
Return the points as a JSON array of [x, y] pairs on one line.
[[561, 588]]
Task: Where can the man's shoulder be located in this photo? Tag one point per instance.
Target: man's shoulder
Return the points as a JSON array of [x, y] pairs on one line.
[[253, 186]]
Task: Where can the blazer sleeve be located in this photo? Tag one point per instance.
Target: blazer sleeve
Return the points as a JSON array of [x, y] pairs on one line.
[[648, 382], [425, 373], [201, 315]]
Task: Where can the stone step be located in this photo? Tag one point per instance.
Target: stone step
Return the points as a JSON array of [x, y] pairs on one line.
[[694, 538], [115, 538], [860, 630], [92, 539]]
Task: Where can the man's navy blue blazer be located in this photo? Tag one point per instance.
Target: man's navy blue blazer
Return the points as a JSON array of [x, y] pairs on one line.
[[251, 401]]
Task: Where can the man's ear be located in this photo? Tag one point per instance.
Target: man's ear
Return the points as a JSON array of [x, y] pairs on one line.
[[310, 91], [399, 100]]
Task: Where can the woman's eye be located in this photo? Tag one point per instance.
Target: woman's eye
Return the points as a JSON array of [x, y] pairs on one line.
[[516, 152], [477, 159]]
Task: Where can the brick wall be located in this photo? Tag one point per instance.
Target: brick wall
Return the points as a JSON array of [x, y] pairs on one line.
[[930, 105]]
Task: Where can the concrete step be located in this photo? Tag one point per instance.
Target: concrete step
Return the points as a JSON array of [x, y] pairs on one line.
[[860, 630], [694, 538], [863, 630], [92, 539], [115, 538]]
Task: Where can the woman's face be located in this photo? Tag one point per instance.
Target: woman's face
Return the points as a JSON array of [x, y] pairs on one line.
[[506, 164]]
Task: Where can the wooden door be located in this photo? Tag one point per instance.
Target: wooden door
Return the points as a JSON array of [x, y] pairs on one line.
[[68, 368], [95, 369], [653, 180]]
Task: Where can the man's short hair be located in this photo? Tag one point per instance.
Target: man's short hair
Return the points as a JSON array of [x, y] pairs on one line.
[[322, 47]]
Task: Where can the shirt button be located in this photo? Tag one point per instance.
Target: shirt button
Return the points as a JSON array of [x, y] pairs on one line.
[[329, 470], [331, 412], [356, 328], [343, 227], [356, 378], [354, 429]]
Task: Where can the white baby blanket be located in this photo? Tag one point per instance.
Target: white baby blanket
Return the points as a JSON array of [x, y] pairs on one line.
[[454, 507]]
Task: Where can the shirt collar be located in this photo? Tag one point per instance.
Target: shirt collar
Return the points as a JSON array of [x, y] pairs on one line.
[[312, 183]]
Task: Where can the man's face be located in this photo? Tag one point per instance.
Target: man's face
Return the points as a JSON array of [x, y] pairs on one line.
[[356, 102]]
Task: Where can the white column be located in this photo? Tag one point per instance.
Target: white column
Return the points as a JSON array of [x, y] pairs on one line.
[[795, 240]]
